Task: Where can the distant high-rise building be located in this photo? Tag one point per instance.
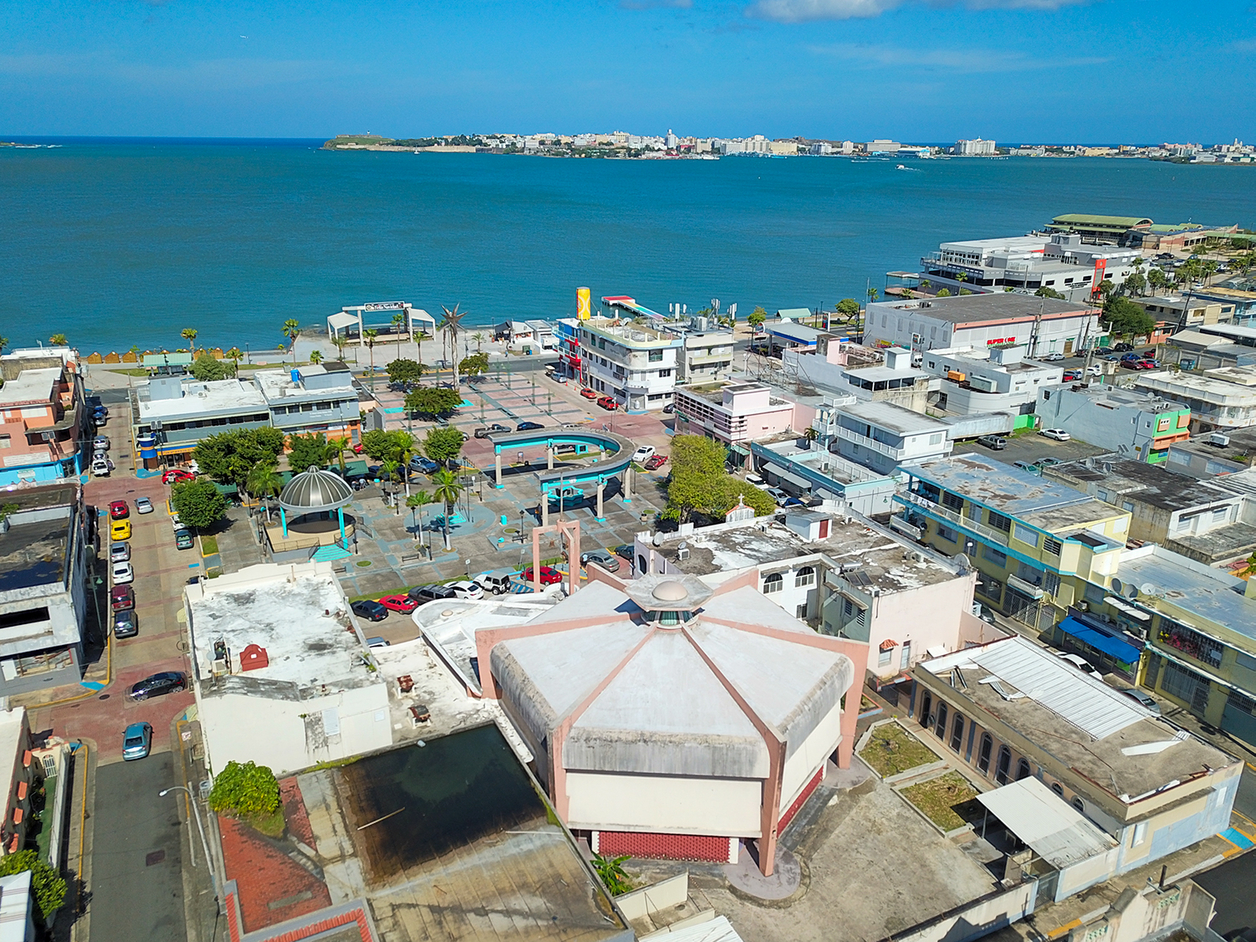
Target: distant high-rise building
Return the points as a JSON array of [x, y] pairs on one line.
[[672, 140], [974, 148]]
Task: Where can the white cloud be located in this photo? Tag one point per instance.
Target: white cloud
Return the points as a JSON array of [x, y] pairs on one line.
[[803, 11], [959, 61]]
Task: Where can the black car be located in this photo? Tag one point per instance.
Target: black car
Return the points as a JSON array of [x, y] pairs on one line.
[[624, 551], [1123, 348], [430, 593], [528, 426], [158, 685], [125, 624], [368, 609]]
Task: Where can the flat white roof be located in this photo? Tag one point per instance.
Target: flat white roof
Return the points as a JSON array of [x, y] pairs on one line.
[[894, 417], [223, 395], [1058, 834], [15, 901], [30, 386]]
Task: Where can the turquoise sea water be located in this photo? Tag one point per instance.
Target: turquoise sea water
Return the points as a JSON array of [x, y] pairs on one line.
[[117, 243]]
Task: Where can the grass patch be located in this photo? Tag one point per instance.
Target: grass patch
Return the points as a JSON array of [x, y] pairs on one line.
[[939, 797], [272, 825], [363, 563], [209, 546], [892, 750]]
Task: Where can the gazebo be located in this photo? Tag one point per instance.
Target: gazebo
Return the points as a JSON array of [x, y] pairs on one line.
[[315, 491]]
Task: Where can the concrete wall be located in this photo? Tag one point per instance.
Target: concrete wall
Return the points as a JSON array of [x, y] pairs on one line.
[[1153, 913], [926, 617], [811, 754], [600, 801], [654, 898], [979, 918]]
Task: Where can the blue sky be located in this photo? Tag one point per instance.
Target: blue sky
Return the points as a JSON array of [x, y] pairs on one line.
[[1104, 71]]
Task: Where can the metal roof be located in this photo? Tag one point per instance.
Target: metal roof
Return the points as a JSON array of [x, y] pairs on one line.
[[315, 490], [1107, 222], [1056, 832]]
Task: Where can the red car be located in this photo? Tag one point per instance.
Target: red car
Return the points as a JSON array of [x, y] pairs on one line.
[[177, 476], [588, 393], [357, 449], [549, 576], [608, 403], [399, 603], [656, 462], [122, 598], [118, 510]]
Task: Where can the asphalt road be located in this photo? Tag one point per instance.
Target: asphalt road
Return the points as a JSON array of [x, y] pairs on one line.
[[137, 883], [1231, 884]]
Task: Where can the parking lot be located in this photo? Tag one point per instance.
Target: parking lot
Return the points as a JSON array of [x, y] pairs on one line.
[[1031, 447]]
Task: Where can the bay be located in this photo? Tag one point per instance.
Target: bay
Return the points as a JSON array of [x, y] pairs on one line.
[[123, 242]]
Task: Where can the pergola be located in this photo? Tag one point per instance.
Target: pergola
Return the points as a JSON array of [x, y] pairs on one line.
[[352, 320]]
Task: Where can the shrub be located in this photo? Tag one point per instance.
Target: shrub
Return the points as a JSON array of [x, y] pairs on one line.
[[46, 884], [245, 789]]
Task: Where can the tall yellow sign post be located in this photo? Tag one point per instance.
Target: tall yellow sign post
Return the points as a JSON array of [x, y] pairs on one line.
[[583, 305]]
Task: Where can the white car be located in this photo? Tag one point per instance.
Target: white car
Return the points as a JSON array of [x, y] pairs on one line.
[[122, 573], [755, 481], [1051, 357], [143, 505], [119, 552], [1094, 370], [101, 443], [100, 468], [1056, 434], [1080, 663], [643, 454], [466, 589]]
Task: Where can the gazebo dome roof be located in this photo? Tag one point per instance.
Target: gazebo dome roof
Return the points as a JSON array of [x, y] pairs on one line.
[[314, 490]]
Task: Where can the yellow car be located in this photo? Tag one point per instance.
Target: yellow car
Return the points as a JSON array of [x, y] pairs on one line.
[[120, 530]]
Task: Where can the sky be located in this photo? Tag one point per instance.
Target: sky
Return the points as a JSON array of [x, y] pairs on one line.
[[928, 71]]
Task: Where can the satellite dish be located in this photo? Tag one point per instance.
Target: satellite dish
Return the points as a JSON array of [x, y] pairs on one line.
[[1118, 586], [963, 561], [1149, 588], [1131, 591]]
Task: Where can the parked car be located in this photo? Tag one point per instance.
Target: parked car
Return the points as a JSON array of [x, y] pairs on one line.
[[372, 611], [608, 403], [1142, 697], [1051, 357], [528, 426], [122, 598], [1072, 375], [122, 573], [143, 505], [399, 603], [430, 593], [1027, 466], [101, 443], [1123, 348], [625, 551], [997, 442], [120, 530], [183, 539], [137, 740], [378, 642], [119, 552], [466, 589], [548, 575], [99, 468], [755, 481], [643, 453], [118, 510], [669, 408], [1148, 365], [497, 582], [126, 624], [1048, 461], [1094, 370], [1056, 434], [424, 464], [177, 476], [656, 462], [1080, 663], [494, 429], [158, 685], [776, 494], [602, 558], [589, 393], [792, 501]]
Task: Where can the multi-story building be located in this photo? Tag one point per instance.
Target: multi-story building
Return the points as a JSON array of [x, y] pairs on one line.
[[1102, 230], [1219, 399], [847, 369], [1133, 424], [1061, 263], [315, 398], [988, 380], [882, 436], [707, 355], [1059, 745], [809, 468], [44, 575], [1037, 543], [569, 345], [42, 421], [633, 362], [19, 772], [1180, 313], [975, 148], [1041, 325], [733, 413]]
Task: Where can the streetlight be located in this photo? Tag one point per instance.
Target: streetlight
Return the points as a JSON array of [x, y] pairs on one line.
[[209, 861]]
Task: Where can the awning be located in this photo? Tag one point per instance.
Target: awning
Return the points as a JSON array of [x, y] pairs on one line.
[[1046, 822], [176, 449], [887, 645], [337, 321], [1123, 606], [1122, 651], [784, 475]]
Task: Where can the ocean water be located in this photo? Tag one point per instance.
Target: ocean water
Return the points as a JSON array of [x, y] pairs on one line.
[[116, 243]]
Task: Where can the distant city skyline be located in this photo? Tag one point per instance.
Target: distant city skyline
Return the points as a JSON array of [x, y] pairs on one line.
[[927, 71]]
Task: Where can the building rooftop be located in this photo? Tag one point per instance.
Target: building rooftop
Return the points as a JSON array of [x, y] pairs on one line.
[[627, 331], [317, 383], [1048, 505], [896, 418], [1110, 222], [1091, 728], [1191, 586], [1116, 397], [30, 386], [980, 308], [297, 613], [34, 550], [853, 543], [201, 398], [1224, 386], [799, 333], [1149, 483]]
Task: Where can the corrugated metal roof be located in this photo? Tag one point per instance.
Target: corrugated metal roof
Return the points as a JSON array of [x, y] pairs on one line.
[[1088, 704], [1057, 833]]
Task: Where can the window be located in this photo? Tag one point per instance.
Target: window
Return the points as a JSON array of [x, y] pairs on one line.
[[1140, 834], [947, 533], [1003, 766], [998, 521], [983, 754], [773, 582], [926, 706], [1079, 804], [939, 728], [1052, 546], [1022, 769], [804, 577], [952, 500], [1057, 788], [6, 441], [990, 588], [996, 556], [656, 356], [904, 660], [883, 657], [1191, 643], [1027, 536], [957, 732], [663, 374]]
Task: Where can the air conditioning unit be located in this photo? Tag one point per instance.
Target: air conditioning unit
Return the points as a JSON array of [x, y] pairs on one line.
[[982, 383]]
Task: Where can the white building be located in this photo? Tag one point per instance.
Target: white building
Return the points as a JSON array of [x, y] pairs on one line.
[[1220, 399], [882, 436], [283, 676], [635, 363], [975, 148], [988, 380]]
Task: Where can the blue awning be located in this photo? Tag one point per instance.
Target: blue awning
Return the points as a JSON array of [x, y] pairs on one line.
[[1121, 651]]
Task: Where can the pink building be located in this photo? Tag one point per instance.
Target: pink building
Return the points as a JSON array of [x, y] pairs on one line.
[[733, 413], [41, 418]]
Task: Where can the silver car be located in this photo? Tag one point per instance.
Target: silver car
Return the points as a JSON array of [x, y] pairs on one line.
[[119, 552]]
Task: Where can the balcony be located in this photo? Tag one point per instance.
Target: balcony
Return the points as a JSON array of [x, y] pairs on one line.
[[937, 510], [1025, 587], [871, 443]]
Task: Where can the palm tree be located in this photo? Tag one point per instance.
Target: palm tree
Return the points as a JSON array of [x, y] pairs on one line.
[[479, 338], [399, 321], [316, 356], [4, 342], [264, 480], [336, 448], [371, 333], [389, 466], [234, 355], [58, 340], [447, 492], [189, 334], [291, 330], [450, 327], [416, 502], [811, 434], [341, 341], [873, 294]]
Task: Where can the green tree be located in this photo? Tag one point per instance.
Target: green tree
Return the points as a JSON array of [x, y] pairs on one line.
[[873, 294], [308, 451], [405, 371], [848, 307], [479, 339], [943, 293], [756, 317], [433, 401], [234, 355], [699, 484], [611, 872], [4, 342], [416, 502], [697, 454], [1135, 283], [228, 457], [399, 324], [189, 334], [446, 490], [371, 334], [47, 886], [1045, 292], [1156, 279], [964, 291], [292, 330], [246, 789], [380, 445], [1106, 288], [198, 503], [474, 366], [316, 356], [1124, 318], [441, 444], [207, 369], [450, 327], [58, 340], [264, 480]]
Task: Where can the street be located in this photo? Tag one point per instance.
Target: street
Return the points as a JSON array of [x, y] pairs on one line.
[[137, 884]]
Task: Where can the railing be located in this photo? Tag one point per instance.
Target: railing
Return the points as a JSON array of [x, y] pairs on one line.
[[990, 533], [881, 447]]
